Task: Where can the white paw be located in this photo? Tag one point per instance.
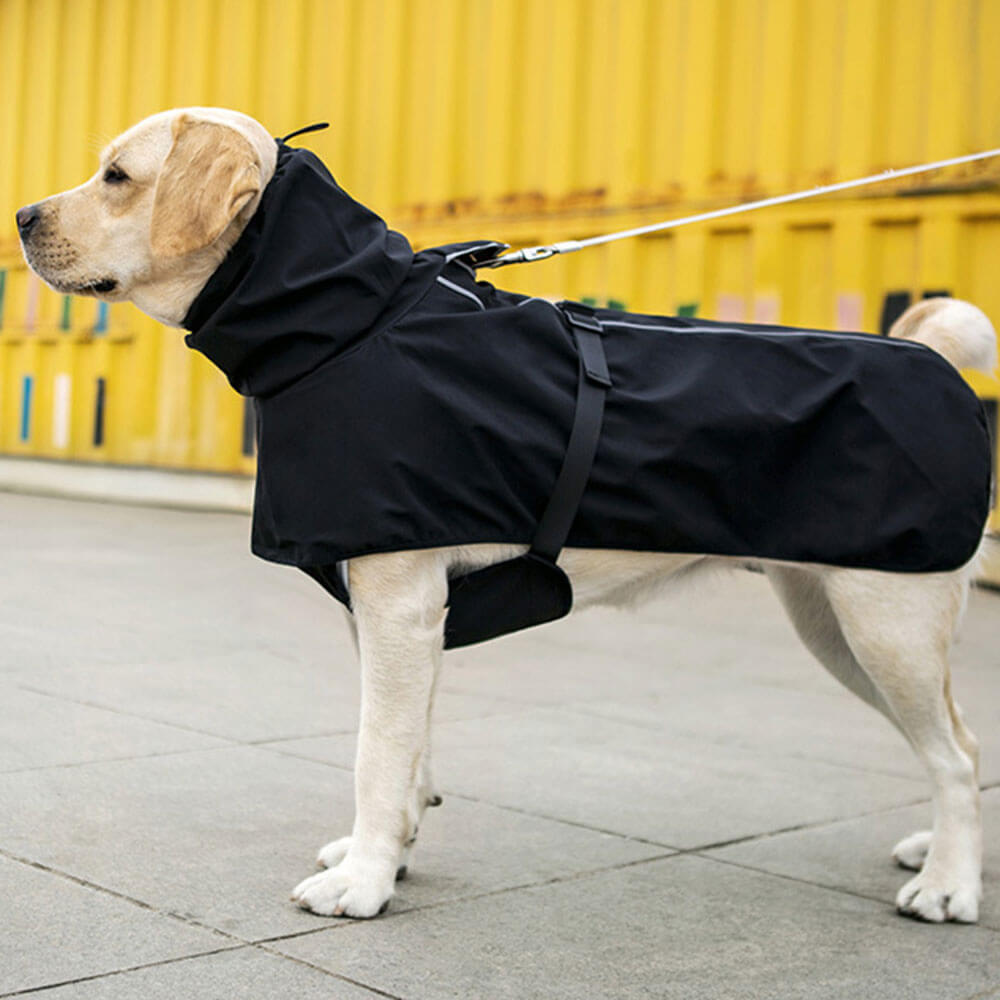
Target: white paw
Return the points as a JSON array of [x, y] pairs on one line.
[[930, 896], [911, 852], [351, 889], [333, 853]]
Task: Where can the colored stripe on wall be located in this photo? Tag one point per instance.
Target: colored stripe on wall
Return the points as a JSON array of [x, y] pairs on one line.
[[26, 383], [66, 315], [99, 413], [31, 305], [101, 323], [62, 388]]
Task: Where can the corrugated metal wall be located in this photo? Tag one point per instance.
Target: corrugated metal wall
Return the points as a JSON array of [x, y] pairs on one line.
[[523, 120]]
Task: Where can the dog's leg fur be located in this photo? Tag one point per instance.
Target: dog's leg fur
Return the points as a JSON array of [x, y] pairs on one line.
[[399, 606], [803, 593], [886, 637]]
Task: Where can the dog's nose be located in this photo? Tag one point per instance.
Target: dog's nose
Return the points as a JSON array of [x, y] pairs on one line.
[[27, 218]]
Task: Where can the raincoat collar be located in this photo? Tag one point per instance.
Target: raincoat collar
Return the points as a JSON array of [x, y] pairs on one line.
[[309, 276]]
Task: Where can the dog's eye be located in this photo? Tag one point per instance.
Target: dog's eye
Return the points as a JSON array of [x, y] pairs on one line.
[[115, 175]]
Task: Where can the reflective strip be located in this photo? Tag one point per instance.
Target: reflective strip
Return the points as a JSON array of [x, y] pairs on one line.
[[781, 335], [461, 291], [62, 386]]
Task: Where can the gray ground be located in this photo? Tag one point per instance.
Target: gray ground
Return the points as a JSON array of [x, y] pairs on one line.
[[672, 803]]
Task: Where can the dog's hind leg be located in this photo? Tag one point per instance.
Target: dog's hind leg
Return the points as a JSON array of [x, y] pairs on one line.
[[399, 606], [898, 629], [803, 593]]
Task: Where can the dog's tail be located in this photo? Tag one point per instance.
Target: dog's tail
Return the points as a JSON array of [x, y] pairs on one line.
[[956, 329]]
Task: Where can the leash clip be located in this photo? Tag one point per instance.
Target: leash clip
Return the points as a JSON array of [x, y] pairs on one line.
[[527, 255]]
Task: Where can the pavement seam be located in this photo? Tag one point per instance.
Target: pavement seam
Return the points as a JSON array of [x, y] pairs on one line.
[[713, 845], [817, 885], [451, 901], [121, 972], [120, 711], [121, 896], [326, 972], [761, 751], [115, 760], [238, 943]]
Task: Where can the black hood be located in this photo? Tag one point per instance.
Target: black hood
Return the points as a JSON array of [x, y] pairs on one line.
[[310, 275]]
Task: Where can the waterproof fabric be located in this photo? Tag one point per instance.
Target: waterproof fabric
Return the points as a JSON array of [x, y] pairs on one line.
[[403, 404]]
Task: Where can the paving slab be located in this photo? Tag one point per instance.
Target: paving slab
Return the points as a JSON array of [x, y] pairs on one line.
[[855, 854], [247, 695], [222, 837], [94, 583], [37, 730], [243, 972], [638, 781], [54, 930], [683, 928], [806, 725], [571, 757]]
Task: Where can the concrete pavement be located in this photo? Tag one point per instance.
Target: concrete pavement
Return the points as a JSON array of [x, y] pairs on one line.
[[671, 803]]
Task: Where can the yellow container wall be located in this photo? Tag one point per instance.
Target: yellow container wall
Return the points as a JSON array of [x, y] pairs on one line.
[[522, 120]]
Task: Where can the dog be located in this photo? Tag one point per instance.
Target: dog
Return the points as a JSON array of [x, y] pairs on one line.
[[172, 196]]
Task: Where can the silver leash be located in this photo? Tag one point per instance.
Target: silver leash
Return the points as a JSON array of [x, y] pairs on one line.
[[528, 254]]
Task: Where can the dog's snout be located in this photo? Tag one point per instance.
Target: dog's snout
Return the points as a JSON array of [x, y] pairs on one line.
[[27, 219]]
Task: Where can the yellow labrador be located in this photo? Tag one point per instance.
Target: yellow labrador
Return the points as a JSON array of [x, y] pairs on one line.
[[171, 197]]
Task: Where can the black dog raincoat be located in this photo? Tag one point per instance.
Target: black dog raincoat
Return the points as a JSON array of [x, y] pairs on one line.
[[402, 404]]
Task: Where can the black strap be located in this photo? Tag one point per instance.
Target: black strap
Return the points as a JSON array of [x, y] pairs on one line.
[[319, 126], [557, 519]]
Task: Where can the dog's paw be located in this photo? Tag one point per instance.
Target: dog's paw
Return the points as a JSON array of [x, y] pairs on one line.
[[333, 853], [350, 889], [330, 855], [911, 852], [929, 896]]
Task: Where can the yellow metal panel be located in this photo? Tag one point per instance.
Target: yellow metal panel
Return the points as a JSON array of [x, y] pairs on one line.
[[861, 102], [771, 152], [728, 285], [984, 101], [903, 64], [13, 108], [809, 284], [514, 119], [817, 49], [737, 96]]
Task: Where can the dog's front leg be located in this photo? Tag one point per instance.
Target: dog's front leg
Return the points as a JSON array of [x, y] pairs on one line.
[[399, 607]]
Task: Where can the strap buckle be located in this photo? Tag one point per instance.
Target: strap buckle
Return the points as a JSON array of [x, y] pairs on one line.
[[588, 332]]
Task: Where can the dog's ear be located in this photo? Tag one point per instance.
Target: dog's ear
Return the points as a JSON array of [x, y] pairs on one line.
[[210, 173]]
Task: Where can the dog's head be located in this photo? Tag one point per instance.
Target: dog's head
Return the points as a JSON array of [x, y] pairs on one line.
[[170, 198]]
